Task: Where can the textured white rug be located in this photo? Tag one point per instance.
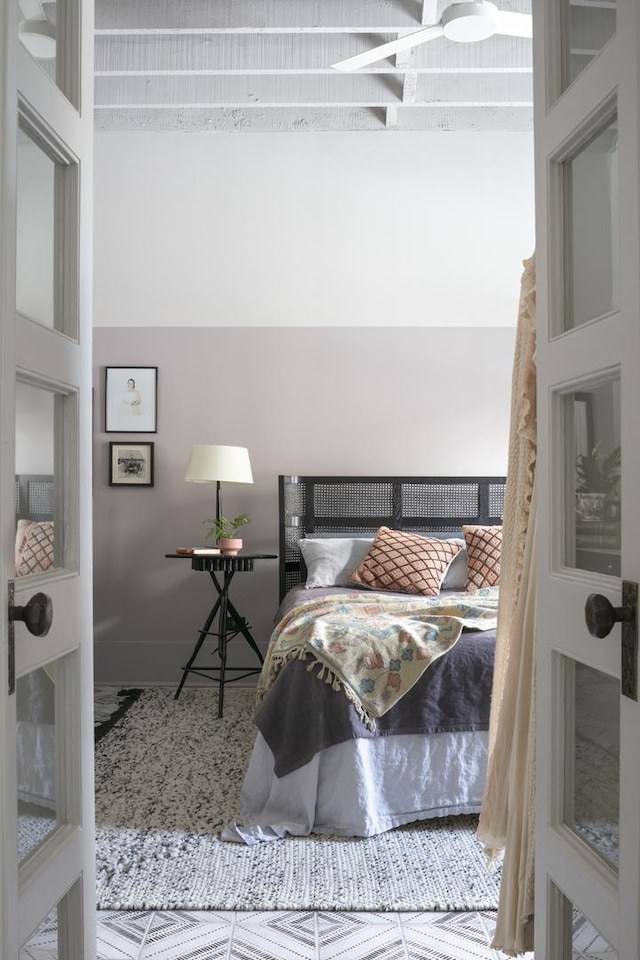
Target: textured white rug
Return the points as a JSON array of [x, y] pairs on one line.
[[168, 777]]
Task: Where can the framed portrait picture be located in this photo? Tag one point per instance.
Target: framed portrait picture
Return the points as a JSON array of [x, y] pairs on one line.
[[131, 398], [130, 464]]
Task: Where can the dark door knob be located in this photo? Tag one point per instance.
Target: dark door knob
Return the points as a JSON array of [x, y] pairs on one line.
[[37, 614], [600, 615]]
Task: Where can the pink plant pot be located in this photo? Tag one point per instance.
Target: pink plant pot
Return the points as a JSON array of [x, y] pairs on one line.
[[230, 546]]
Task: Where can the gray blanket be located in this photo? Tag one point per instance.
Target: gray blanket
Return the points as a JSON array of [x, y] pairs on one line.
[[302, 715]]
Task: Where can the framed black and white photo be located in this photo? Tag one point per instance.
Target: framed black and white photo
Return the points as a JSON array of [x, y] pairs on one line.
[[130, 464], [131, 398]]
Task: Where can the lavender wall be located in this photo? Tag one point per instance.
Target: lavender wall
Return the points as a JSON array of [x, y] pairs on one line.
[[379, 400]]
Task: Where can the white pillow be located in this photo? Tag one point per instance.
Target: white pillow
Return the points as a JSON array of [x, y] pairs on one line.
[[456, 576], [330, 561]]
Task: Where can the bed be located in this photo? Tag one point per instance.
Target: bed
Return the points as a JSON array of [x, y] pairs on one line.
[[327, 761]]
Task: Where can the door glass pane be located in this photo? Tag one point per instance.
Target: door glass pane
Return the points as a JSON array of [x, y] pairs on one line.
[[47, 768], [35, 237], [587, 943], [42, 28], [59, 936], [35, 546], [591, 230], [37, 32], [46, 232], [36, 734], [593, 465], [588, 28], [573, 936], [592, 758]]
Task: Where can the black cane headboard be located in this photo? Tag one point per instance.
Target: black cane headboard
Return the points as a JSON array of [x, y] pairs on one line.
[[359, 505], [34, 496]]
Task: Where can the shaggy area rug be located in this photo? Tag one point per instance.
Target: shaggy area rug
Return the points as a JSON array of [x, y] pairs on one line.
[[168, 778]]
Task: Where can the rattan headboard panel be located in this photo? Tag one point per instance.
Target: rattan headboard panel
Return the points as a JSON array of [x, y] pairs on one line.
[[34, 496], [359, 505]]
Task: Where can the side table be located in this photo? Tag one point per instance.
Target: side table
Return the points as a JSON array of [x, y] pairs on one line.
[[230, 623]]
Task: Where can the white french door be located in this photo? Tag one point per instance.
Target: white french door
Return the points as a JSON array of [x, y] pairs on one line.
[[47, 884], [586, 70]]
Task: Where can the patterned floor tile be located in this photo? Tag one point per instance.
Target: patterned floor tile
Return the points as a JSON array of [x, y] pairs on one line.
[[182, 935], [360, 936], [276, 935], [443, 936], [120, 933]]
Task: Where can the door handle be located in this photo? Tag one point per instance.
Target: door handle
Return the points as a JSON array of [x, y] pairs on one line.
[[601, 615], [37, 616]]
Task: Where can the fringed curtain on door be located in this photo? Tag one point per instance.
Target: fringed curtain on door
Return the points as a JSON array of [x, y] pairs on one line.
[[507, 815]]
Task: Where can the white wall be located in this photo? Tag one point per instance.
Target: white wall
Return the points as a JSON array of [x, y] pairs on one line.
[[415, 229]]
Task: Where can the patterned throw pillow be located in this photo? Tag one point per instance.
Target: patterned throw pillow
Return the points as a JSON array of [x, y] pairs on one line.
[[34, 547], [405, 563], [483, 556]]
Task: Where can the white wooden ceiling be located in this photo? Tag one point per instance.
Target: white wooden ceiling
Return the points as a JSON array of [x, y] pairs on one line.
[[265, 65]]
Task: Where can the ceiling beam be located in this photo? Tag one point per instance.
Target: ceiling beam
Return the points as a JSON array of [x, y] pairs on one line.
[[446, 117], [254, 16], [277, 53]]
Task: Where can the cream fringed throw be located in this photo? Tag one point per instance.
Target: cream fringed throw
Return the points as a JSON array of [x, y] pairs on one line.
[[374, 648], [507, 815]]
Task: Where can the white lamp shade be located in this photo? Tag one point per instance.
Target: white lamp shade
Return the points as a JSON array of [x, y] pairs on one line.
[[210, 462]]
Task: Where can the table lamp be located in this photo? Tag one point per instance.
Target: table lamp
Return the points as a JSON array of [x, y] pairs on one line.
[[212, 463]]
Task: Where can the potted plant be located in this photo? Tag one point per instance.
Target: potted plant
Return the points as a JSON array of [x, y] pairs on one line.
[[224, 531], [597, 482]]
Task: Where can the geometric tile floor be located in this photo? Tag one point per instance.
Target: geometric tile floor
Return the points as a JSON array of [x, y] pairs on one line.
[[285, 935]]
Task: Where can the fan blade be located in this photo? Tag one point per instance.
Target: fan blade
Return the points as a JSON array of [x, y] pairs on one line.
[[430, 12], [388, 49], [514, 24]]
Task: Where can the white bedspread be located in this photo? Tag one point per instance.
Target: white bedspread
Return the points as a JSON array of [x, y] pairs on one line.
[[362, 787]]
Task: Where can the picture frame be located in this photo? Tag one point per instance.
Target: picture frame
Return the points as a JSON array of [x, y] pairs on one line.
[[131, 464], [131, 399]]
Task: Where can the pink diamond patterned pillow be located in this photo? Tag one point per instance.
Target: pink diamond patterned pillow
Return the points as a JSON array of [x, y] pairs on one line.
[[405, 563], [34, 547], [484, 545]]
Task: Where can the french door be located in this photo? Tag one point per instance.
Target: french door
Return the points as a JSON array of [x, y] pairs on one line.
[[47, 885], [586, 58]]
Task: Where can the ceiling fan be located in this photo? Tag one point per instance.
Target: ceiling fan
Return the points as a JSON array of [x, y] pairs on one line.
[[465, 22]]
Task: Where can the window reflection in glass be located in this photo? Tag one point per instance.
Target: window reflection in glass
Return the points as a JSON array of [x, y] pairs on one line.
[[592, 230], [593, 471], [589, 26], [38, 33], [36, 734], [34, 482], [59, 935], [592, 801], [35, 236]]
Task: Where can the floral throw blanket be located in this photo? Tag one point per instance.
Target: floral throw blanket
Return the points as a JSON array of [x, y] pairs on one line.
[[374, 648]]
